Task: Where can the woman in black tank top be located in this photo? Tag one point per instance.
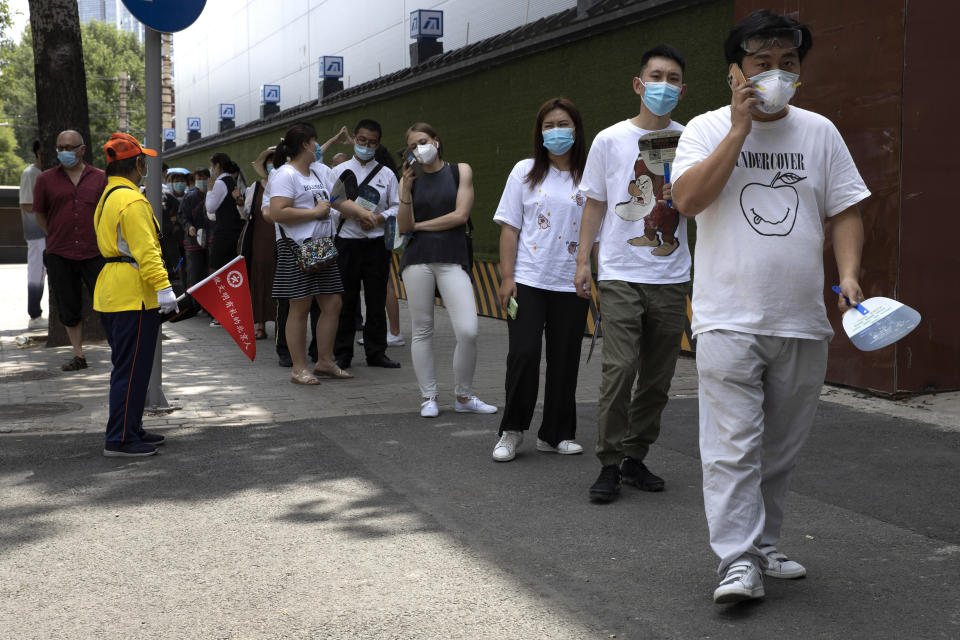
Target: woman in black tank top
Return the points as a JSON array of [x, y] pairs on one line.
[[435, 202]]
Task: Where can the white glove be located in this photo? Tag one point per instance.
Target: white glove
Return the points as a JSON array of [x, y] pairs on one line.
[[167, 300]]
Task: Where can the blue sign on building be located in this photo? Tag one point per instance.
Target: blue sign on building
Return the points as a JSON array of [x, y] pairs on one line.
[[426, 24], [331, 67], [169, 134], [270, 93], [166, 16], [193, 124], [228, 111]]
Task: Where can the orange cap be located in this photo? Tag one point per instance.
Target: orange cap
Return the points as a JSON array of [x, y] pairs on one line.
[[122, 145]]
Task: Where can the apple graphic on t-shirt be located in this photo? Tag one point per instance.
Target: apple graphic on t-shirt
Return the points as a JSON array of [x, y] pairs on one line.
[[771, 209]]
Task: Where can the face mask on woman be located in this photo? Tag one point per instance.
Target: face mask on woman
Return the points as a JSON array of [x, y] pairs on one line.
[[558, 141], [317, 152], [426, 153]]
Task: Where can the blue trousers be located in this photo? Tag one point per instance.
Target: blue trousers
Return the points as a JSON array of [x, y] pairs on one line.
[[133, 337]]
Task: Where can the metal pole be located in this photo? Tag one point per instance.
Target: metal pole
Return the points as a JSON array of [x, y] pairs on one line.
[[155, 397]]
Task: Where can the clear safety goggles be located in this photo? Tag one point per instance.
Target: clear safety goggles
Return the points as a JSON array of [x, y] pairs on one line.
[[786, 39]]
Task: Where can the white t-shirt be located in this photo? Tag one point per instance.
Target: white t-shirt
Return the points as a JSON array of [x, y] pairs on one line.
[[635, 229], [306, 192], [760, 243], [28, 180], [385, 183], [548, 216]]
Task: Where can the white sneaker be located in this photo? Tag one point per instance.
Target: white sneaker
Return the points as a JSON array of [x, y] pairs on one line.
[[473, 405], [395, 340], [506, 449], [360, 339], [214, 323], [37, 323], [564, 447], [742, 582], [429, 408], [780, 566]]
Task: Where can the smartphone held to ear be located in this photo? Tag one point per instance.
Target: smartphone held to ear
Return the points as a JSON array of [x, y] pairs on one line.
[[735, 76], [410, 159]]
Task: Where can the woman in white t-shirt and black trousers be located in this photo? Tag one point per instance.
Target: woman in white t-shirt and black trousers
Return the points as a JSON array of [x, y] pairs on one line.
[[300, 205], [435, 206], [539, 216]]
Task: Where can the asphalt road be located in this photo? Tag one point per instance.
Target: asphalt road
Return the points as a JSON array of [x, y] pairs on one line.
[[392, 526]]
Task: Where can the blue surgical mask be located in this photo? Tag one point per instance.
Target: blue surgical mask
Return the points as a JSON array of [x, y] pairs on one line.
[[179, 187], [269, 168], [660, 97], [558, 141], [363, 153], [67, 158], [317, 152]]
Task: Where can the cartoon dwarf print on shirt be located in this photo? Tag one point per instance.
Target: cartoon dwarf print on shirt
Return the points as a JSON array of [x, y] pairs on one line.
[[660, 222], [569, 235], [770, 208]]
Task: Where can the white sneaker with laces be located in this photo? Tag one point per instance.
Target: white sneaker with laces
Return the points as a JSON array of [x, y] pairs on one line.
[[564, 447], [506, 449], [360, 339], [37, 323], [395, 340], [780, 566], [742, 582], [429, 408], [474, 405]]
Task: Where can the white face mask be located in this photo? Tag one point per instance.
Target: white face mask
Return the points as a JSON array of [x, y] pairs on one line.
[[426, 153], [775, 89]]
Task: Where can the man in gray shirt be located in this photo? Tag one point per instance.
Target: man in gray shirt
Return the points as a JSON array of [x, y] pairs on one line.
[[36, 242]]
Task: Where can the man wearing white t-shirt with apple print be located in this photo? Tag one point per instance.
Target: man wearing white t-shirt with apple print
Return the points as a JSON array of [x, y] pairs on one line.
[[761, 177], [643, 280]]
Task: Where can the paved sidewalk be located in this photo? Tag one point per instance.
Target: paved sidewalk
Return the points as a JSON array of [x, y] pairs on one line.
[[282, 511]]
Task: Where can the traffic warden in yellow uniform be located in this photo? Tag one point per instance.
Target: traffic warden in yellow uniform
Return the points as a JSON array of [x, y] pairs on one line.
[[131, 287]]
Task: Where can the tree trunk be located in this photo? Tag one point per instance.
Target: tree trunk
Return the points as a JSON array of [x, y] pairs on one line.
[[61, 104]]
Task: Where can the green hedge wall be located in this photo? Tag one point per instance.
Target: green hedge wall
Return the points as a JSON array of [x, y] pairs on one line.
[[485, 118]]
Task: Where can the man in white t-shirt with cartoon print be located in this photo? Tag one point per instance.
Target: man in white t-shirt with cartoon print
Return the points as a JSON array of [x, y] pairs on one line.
[[643, 274], [761, 177]]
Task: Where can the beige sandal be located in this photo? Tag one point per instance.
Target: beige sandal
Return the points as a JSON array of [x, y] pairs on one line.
[[303, 377], [336, 372]]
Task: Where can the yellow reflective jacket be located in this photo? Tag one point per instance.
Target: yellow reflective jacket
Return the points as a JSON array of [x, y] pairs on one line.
[[126, 227]]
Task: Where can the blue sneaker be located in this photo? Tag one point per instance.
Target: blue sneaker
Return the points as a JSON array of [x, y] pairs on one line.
[[136, 449], [152, 438]]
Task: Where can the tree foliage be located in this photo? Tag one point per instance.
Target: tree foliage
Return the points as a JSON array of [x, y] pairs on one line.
[[107, 51]]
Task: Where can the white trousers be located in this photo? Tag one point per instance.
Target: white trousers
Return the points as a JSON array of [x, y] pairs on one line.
[[421, 281], [758, 397], [36, 275]]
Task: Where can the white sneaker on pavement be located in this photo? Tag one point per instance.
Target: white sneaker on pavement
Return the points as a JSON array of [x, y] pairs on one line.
[[395, 340], [473, 405], [360, 339], [742, 582], [429, 408], [564, 447], [506, 449], [780, 566], [37, 323]]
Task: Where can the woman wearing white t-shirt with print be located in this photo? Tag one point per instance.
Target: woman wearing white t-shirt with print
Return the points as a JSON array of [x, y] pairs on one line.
[[299, 197], [539, 216], [435, 206]]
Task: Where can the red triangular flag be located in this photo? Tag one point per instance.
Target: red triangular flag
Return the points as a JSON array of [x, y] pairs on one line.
[[226, 296]]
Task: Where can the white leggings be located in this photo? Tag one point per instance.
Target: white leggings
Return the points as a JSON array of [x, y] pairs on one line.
[[420, 281]]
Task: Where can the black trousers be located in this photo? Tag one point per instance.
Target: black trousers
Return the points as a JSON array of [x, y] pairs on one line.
[[362, 261], [66, 278], [283, 310], [194, 269], [562, 316]]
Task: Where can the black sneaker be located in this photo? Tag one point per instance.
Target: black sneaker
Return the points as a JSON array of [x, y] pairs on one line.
[[152, 438], [634, 472], [75, 364], [136, 449], [607, 485], [286, 361]]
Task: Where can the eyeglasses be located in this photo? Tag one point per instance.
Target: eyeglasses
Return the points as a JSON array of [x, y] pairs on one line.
[[68, 147], [786, 39], [366, 142]]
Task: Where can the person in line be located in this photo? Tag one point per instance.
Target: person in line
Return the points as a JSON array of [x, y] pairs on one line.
[[362, 256], [192, 217], [130, 288], [36, 242], [760, 368], [64, 199], [260, 248], [173, 235], [435, 207], [221, 208], [539, 217], [300, 204], [642, 281]]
